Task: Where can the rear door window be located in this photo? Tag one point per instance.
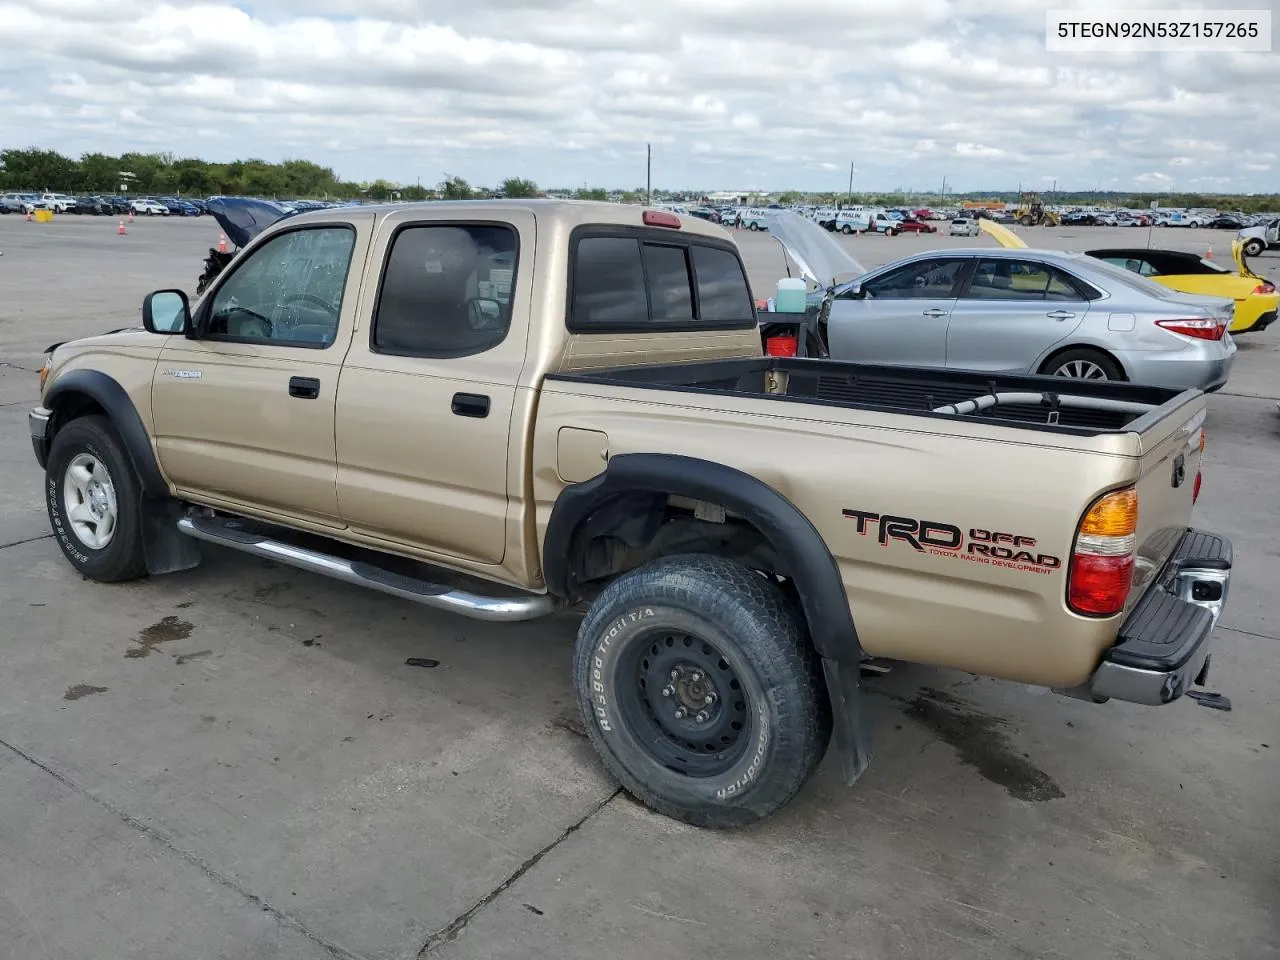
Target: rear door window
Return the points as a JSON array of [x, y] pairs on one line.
[[1002, 279], [634, 280]]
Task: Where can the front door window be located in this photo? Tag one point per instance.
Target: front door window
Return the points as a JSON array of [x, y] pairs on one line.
[[288, 291]]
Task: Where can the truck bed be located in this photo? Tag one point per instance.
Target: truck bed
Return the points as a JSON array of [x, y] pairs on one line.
[[1044, 403]]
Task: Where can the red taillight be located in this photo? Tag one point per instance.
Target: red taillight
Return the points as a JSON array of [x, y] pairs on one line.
[[660, 218], [1101, 571], [1263, 289], [1200, 328], [1100, 585]]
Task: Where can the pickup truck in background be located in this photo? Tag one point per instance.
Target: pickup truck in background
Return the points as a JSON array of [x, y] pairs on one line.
[[1258, 239], [503, 408]]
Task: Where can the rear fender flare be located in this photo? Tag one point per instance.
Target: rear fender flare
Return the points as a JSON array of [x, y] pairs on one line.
[[788, 531]]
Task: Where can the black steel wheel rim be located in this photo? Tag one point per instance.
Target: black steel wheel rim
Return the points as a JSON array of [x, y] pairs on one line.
[[684, 702]]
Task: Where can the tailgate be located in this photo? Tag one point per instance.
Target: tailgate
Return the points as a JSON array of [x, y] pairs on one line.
[[1168, 482]]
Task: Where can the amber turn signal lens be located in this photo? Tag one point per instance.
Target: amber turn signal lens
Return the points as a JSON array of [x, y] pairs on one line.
[[1115, 515], [44, 374]]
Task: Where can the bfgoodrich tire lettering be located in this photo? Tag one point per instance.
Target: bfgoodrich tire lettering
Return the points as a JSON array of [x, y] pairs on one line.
[[121, 557], [763, 738]]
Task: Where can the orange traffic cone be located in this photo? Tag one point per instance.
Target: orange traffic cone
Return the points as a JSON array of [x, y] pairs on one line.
[[131, 215], [121, 231], [1209, 253], [29, 217], [222, 243]]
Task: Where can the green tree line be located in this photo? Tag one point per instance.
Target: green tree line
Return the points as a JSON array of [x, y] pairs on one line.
[[36, 169]]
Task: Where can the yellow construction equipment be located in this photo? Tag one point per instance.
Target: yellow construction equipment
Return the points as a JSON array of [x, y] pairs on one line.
[[1031, 212]]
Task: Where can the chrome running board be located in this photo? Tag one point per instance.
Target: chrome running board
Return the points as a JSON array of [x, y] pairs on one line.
[[228, 533]]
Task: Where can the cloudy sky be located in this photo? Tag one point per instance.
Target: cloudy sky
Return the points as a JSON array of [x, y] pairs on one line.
[[741, 94]]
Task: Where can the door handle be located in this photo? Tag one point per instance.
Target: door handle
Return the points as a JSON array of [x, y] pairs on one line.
[[935, 312], [1060, 314], [470, 405], [305, 388]]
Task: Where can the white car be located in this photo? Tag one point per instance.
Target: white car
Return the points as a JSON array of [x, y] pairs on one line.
[[962, 227], [57, 202], [149, 208]]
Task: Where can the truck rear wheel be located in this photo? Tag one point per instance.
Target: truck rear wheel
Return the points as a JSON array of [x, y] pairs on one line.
[[94, 501], [1253, 247], [700, 690]]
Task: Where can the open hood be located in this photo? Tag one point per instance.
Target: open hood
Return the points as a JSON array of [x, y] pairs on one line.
[[1002, 234], [1237, 254], [243, 218], [815, 251]]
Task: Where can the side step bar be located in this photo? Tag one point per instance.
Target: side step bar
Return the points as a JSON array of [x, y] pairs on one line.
[[441, 596]]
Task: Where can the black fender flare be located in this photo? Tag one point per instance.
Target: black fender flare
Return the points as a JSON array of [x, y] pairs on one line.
[[114, 399], [788, 531]]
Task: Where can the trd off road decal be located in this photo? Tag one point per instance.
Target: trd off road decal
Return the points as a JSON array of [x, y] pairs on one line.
[[947, 540]]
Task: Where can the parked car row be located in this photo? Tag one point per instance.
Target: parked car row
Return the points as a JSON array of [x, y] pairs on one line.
[[104, 205]]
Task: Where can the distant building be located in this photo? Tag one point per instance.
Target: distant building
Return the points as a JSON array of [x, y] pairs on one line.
[[732, 196]]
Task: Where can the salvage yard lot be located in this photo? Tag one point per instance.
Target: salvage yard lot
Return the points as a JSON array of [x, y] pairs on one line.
[[237, 761]]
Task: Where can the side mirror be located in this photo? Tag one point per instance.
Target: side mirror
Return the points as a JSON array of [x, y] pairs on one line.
[[166, 311]]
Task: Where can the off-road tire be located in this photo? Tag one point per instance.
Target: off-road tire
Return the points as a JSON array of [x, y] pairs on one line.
[[759, 636], [1253, 247], [122, 557]]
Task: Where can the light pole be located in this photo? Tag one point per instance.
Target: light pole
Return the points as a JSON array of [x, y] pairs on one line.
[[648, 174]]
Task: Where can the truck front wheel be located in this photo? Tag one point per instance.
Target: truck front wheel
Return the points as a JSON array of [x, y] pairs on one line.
[[1253, 247], [93, 497], [700, 690]]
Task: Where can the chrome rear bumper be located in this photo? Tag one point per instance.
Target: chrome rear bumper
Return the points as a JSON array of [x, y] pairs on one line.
[[1163, 646]]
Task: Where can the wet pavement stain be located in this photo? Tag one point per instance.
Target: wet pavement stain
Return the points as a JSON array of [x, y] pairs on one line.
[[182, 658], [81, 690], [981, 744], [163, 631], [269, 591]]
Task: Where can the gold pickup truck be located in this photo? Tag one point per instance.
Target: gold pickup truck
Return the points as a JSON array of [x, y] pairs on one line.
[[504, 408]]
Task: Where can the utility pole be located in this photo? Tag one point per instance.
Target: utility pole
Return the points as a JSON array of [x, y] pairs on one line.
[[648, 173], [850, 197]]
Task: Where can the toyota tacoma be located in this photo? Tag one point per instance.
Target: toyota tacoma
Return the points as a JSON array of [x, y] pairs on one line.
[[504, 408]]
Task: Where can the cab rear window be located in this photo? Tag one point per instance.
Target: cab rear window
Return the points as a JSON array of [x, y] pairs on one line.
[[627, 280]]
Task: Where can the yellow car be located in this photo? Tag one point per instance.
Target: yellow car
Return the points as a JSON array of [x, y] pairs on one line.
[[1256, 299]]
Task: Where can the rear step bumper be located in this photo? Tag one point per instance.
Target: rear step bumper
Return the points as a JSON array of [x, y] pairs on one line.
[[476, 606], [1163, 645]]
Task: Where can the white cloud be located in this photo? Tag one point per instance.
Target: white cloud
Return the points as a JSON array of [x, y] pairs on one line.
[[566, 91]]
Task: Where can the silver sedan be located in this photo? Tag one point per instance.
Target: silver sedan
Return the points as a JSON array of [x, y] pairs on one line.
[[1031, 311]]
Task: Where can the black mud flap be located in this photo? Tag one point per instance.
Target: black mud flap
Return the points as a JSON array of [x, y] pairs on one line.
[[850, 717], [166, 549]]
